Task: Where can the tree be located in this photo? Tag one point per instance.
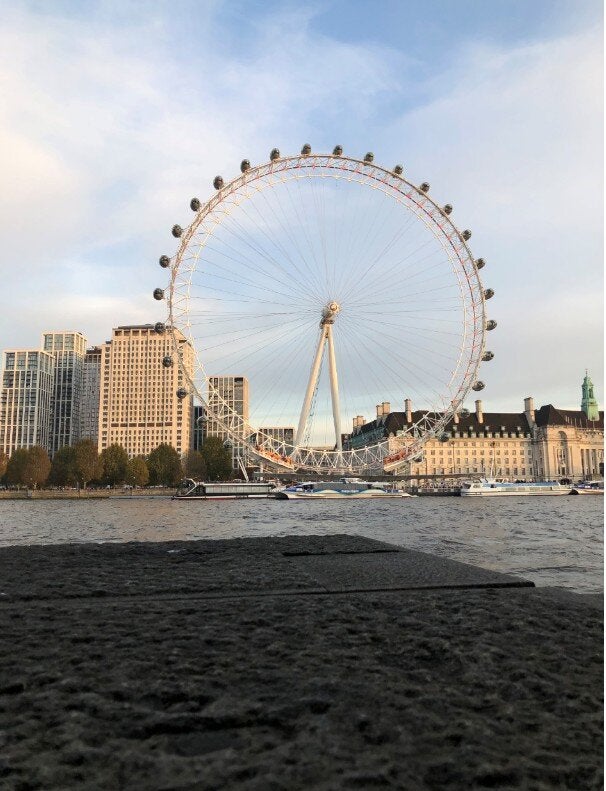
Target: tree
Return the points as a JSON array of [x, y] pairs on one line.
[[88, 464], [195, 465], [37, 467], [164, 466], [3, 463], [63, 467], [217, 458], [115, 462], [15, 469], [137, 473]]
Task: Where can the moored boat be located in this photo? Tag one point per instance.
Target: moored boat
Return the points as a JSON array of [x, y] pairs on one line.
[[339, 490], [490, 487], [588, 487], [230, 490]]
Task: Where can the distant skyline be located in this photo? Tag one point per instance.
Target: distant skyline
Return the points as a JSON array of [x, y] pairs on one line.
[[114, 116]]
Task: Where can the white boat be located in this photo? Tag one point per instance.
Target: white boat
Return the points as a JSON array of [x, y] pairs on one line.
[[588, 487], [344, 489], [231, 490], [490, 487]]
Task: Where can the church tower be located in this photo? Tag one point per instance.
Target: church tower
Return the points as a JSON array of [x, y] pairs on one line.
[[589, 404]]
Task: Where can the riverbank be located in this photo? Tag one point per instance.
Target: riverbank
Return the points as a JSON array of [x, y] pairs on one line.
[[293, 663], [83, 494]]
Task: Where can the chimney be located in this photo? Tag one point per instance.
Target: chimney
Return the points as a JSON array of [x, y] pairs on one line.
[[386, 407], [358, 421], [529, 410], [455, 418], [408, 410], [479, 412], [379, 410]]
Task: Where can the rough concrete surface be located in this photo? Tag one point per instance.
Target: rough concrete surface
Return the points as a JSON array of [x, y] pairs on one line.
[[309, 662]]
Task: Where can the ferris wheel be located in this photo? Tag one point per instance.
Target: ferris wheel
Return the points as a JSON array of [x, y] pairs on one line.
[[315, 289]]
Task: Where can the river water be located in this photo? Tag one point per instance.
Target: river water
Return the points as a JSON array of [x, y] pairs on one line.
[[549, 540]]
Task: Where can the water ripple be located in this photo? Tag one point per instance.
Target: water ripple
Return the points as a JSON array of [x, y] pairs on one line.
[[552, 541]]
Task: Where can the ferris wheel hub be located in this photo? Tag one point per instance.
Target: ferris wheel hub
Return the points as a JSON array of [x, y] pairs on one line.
[[329, 313]]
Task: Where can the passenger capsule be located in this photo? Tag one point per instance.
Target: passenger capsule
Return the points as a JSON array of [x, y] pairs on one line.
[[160, 327], [158, 293], [244, 165], [398, 170], [164, 261], [480, 263], [194, 204], [464, 412], [306, 150], [337, 151], [274, 154], [167, 361], [466, 235], [444, 437], [369, 157], [491, 324], [218, 182], [181, 393], [424, 187], [447, 209], [477, 386], [177, 231], [487, 356], [488, 294]]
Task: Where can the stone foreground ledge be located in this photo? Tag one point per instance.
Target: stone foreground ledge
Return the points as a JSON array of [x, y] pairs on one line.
[[302, 662]]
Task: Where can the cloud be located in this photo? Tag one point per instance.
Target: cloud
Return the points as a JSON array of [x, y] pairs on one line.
[[110, 124]]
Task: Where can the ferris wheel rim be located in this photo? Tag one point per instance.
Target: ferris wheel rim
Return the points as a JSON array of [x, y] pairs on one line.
[[341, 166]]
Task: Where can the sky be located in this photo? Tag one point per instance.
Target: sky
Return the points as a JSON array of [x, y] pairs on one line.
[[114, 114]]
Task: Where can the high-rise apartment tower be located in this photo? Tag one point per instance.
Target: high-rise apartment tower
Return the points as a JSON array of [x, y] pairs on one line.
[[68, 349], [26, 399], [91, 390]]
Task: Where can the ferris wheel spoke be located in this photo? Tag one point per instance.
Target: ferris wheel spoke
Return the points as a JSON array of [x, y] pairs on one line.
[[359, 264], [411, 349], [247, 265], [382, 254], [301, 218], [244, 237], [416, 374], [397, 266], [298, 278], [252, 348], [302, 278], [243, 281]]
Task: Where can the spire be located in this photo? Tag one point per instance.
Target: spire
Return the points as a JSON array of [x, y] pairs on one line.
[[589, 403]]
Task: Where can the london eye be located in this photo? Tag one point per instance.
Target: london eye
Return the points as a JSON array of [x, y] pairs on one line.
[[337, 289]]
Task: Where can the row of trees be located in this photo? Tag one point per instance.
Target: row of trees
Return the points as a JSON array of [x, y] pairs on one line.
[[81, 464]]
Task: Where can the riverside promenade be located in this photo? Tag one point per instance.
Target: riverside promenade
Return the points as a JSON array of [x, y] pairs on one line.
[[291, 663]]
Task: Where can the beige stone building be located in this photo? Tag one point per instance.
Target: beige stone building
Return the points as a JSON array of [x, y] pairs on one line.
[[547, 443], [139, 407]]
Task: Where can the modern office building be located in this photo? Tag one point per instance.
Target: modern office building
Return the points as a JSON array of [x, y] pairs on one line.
[[68, 349], [90, 394], [26, 399], [139, 405], [227, 400], [543, 444], [283, 436]]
